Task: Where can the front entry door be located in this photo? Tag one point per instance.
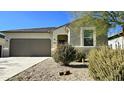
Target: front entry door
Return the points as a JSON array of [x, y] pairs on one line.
[[62, 39]]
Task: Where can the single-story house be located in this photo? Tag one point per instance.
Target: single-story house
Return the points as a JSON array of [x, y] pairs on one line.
[[116, 41], [43, 41]]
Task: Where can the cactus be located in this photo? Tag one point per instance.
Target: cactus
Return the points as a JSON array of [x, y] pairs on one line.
[[106, 64]]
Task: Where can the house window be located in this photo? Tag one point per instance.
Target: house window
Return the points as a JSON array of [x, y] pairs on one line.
[[88, 37]]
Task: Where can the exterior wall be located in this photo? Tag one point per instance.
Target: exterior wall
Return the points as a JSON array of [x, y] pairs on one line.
[[10, 36], [2, 41], [116, 43], [100, 26], [101, 39], [59, 31], [75, 37]]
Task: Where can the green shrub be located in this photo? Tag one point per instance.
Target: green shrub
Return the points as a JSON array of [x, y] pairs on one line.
[[80, 56], [106, 64], [64, 54]]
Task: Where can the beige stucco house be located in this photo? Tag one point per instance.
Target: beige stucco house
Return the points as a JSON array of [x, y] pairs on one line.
[[43, 41]]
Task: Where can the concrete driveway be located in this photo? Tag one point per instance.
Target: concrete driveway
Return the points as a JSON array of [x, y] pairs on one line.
[[13, 65]]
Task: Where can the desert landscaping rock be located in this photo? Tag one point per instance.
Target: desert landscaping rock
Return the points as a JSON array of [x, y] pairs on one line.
[[48, 71]]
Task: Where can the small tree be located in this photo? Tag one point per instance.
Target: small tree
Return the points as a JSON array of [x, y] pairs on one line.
[[64, 54]]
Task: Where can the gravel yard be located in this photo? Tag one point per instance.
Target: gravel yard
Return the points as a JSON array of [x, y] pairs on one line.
[[49, 71]]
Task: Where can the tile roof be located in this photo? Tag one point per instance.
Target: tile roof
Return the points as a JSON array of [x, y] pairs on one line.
[[34, 30], [48, 29]]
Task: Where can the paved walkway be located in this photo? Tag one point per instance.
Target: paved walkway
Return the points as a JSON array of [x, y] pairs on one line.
[[13, 65]]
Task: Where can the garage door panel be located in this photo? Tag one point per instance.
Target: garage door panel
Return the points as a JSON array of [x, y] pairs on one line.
[[30, 47]]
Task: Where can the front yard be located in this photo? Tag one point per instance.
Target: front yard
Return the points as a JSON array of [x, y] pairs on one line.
[[49, 71]]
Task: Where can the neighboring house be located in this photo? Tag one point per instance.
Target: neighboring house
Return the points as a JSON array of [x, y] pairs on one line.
[[116, 41], [43, 41], [2, 41]]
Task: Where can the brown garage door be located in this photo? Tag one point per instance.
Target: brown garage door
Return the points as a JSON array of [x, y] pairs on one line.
[[30, 47]]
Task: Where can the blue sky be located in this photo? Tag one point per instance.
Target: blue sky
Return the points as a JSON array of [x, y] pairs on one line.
[[35, 19], [114, 30], [32, 19]]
